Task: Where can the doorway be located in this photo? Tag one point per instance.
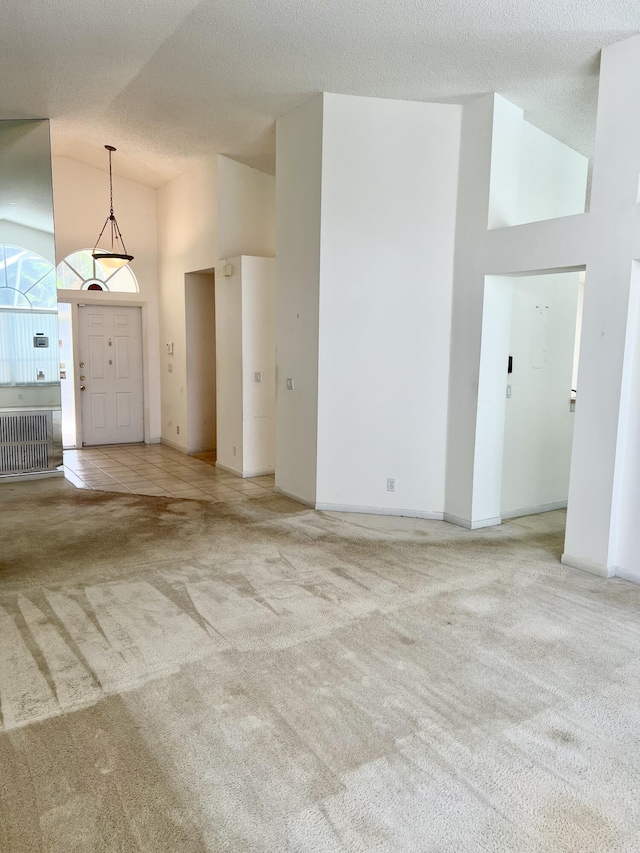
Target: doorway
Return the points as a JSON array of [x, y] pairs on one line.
[[528, 381], [540, 397], [200, 320], [109, 374]]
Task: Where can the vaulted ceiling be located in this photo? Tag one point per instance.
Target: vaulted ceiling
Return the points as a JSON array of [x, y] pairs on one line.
[[169, 82]]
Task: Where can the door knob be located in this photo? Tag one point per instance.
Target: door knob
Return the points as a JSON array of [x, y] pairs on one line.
[[82, 387]]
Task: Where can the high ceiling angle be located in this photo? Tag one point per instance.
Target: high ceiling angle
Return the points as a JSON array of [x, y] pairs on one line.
[[173, 81]]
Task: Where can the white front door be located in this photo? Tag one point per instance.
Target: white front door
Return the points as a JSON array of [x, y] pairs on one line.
[[110, 369]]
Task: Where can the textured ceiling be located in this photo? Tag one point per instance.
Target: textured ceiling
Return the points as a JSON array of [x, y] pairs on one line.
[[169, 82]]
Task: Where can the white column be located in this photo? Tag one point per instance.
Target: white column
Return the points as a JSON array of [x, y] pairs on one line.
[[599, 490]]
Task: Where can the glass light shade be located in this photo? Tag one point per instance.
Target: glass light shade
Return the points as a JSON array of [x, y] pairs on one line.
[[112, 260]]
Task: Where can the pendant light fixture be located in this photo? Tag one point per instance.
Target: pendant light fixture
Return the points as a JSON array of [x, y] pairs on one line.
[[118, 256]]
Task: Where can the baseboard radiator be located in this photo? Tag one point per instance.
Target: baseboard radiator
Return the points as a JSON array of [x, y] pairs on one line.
[[26, 442]]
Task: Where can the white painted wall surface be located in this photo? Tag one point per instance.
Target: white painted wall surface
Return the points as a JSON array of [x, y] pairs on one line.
[[628, 499], [552, 180], [229, 368], [468, 292], [490, 414], [538, 420], [81, 204], [389, 184], [246, 204], [533, 176], [40, 242], [491, 126], [188, 240], [258, 355], [597, 491], [298, 198], [200, 317]]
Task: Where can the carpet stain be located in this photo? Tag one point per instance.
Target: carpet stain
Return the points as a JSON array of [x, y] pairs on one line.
[[185, 676]]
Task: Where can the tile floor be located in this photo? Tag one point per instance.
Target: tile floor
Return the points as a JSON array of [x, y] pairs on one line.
[[144, 469]]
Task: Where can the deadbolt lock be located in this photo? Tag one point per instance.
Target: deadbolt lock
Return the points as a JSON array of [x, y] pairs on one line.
[[82, 378], [82, 364]]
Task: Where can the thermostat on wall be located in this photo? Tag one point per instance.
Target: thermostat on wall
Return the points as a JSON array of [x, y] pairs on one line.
[[40, 340]]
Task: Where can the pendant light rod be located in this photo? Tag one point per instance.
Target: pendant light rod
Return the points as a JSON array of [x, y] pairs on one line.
[[114, 258]]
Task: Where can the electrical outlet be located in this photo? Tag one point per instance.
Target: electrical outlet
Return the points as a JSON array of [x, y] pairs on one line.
[[291, 384], [177, 430], [235, 450], [391, 484], [508, 392], [170, 367], [257, 376]]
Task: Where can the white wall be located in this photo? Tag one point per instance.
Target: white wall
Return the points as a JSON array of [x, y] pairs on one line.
[[628, 507], [201, 361], [389, 183], [539, 421], [298, 197], [468, 293], [188, 240], [40, 242], [81, 204], [533, 176], [245, 318], [491, 128], [217, 209], [258, 355], [228, 292], [552, 180], [246, 204]]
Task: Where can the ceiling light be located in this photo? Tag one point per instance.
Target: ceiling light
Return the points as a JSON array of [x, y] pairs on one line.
[[118, 256]]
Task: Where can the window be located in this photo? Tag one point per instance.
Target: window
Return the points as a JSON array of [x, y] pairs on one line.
[[80, 271], [21, 363], [26, 279]]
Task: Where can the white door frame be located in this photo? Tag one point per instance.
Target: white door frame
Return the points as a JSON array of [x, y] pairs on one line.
[[114, 300]]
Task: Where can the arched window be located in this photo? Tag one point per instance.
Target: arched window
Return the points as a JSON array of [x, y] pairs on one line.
[[80, 271], [26, 279]]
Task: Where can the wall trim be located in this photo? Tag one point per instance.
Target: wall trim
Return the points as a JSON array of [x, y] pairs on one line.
[[259, 472], [471, 525], [229, 469], [173, 445], [380, 510], [631, 575], [292, 496], [533, 510], [588, 566]]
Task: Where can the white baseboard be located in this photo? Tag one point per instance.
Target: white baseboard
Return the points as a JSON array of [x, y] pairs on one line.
[[632, 575], [155, 440], [258, 472], [173, 445], [588, 566], [229, 469], [293, 497], [380, 510], [471, 525], [533, 510]]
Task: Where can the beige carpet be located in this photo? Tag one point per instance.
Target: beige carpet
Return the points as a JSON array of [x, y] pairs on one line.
[[178, 676]]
